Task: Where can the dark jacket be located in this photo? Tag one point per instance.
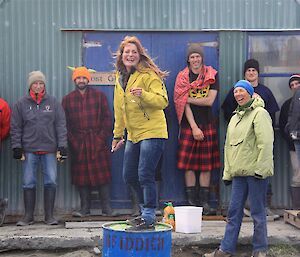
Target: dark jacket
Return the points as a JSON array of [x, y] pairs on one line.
[[283, 119], [38, 127], [293, 126]]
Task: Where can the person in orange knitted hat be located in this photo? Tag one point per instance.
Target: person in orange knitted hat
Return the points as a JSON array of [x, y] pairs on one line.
[[89, 125], [81, 72]]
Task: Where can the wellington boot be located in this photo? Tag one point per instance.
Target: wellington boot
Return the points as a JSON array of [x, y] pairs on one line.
[[49, 199], [105, 201], [3, 206], [203, 201], [85, 202], [29, 204], [191, 195]]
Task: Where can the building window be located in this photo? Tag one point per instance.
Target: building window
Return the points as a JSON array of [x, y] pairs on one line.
[[279, 57]]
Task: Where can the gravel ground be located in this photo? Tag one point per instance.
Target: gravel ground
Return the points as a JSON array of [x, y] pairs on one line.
[[193, 251]]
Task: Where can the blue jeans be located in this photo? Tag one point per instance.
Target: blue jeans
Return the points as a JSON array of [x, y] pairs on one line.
[[255, 190], [140, 161], [30, 166]]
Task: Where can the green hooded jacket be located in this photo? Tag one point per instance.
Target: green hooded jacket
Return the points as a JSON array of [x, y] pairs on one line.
[[249, 142]]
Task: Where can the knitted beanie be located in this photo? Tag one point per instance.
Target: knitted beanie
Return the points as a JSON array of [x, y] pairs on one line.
[[194, 48], [35, 76], [81, 72], [246, 85], [251, 63], [294, 77]]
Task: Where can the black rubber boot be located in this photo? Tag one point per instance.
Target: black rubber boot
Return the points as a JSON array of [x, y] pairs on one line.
[[191, 195], [203, 201], [85, 202], [105, 201], [3, 206], [29, 204], [49, 199], [135, 203], [295, 192]]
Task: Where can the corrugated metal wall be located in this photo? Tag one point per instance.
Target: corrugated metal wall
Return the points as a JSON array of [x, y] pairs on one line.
[[230, 70], [33, 36]]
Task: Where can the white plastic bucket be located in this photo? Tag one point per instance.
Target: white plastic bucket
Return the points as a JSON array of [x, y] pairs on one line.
[[188, 219]]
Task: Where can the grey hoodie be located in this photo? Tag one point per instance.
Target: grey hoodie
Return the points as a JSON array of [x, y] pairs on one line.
[[38, 127]]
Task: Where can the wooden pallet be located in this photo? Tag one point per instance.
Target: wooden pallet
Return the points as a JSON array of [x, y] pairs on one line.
[[290, 216]]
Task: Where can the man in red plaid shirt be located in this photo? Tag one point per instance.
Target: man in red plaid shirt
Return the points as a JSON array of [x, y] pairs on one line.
[[88, 124]]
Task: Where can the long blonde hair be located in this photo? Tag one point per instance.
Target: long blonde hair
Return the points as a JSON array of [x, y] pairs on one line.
[[145, 59]]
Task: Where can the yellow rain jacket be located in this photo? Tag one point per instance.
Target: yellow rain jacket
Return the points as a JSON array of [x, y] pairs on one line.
[[143, 117]]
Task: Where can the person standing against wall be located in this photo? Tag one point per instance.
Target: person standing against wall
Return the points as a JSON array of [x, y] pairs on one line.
[[195, 91], [5, 114], [248, 162], [294, 83], [38, 136], [89, 125], [140, 98], [251, 73]]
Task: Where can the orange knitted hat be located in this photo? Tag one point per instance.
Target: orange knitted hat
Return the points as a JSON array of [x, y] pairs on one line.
[[81, 72]]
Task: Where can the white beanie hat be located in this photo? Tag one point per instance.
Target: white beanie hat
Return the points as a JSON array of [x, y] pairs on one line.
[[36, 76]]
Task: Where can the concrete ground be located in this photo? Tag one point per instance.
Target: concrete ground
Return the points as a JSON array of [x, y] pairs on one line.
[[41, 236]]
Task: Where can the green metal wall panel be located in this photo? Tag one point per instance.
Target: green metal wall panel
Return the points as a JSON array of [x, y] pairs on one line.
[[32, 36], [31, 39], [232, 57]]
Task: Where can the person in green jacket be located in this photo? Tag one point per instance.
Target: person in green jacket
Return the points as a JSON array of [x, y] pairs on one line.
[[140, 98], [248, 162]]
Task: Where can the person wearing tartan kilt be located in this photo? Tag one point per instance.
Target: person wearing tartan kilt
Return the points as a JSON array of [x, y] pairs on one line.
[[89, 124], [196, 89]]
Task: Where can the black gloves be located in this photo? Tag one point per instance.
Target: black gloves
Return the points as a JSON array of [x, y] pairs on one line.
[[227, 182], [63, 152], [17, 153]]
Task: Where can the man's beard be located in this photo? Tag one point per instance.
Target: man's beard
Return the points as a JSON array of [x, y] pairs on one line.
[[81, 86]]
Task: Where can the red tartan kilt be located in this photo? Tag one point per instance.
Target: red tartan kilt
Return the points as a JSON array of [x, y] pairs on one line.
[[199, 155]]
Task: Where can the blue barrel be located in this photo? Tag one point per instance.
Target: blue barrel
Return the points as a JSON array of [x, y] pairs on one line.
[[117, 242]]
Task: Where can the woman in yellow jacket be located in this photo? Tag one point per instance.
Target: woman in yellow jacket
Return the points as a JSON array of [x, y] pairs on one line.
[[139, 100]]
